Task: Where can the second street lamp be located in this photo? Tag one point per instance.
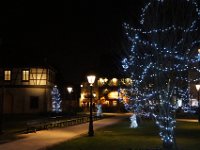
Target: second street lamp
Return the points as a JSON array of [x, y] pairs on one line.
[[198, 90], [70, 90], [91, 79]]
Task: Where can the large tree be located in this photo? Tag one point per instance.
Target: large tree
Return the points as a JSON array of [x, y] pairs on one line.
[[161, 59]]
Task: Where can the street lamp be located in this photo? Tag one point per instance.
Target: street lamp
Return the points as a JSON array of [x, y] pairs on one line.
[[91, 79], [70, 90], [198, 90]]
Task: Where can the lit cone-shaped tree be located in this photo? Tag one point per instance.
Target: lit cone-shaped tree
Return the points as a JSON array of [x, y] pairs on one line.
[[56, 100], [162, 55]]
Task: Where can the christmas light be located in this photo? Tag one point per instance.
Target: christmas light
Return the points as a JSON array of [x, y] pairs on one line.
[[56, 100], [163, 52]]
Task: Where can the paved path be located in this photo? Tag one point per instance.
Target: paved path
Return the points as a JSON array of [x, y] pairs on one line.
[[187, 120], [46, 138]]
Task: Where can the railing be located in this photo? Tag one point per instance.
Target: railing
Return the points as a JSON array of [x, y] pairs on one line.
[[35, 125]]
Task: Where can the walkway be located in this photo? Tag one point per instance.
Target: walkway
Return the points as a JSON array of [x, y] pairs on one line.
[[46, 138], [187, 120]]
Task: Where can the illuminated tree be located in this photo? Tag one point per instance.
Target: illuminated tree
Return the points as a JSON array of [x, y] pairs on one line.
[[56, 100], [162, 57]]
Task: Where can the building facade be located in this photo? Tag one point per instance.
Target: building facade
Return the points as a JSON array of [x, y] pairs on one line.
[[105, 92], [26, 89]]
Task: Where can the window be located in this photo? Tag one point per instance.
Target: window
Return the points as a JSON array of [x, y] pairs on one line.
[[25, 75], [34, 102], [113, 82], [38, 76], [7, 75]]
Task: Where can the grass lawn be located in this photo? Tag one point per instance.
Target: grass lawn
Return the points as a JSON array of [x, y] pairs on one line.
[[188, 135], [121, 137]]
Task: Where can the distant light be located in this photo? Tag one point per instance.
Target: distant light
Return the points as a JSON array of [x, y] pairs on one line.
[[69, 89], [198, 87], [199, 50]]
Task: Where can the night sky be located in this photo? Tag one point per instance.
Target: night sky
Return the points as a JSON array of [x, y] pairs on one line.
[[75, 37]]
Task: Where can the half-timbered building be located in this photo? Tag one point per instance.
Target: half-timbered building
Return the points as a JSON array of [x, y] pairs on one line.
[[26, 89]]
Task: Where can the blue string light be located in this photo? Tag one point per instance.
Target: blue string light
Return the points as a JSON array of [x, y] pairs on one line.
[[157, 53], [56, 100]]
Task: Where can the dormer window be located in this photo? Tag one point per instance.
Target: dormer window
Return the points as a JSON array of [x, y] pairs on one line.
[[7, 75], [25, 75]]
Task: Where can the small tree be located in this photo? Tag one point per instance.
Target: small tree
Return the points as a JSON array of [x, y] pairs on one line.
[[56, 100]]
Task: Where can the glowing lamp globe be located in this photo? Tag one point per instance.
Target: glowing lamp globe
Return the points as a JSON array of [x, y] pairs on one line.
[[198, 87], [91, 79], [69, 89]]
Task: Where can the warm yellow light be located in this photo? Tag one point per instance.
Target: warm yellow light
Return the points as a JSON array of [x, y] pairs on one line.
[[114, 80], [94, 95], [113, 95], [114, 103], [25, 75], [7, 75], [82, 95], [106, 102], [105, 80], [101, 80], [128, 80]]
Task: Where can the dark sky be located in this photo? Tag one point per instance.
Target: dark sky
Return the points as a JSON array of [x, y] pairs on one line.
[[75, 37]]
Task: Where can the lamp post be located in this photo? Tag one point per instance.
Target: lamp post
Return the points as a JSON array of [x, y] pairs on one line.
[[1, 110], [70, 90], [1, 113], [91, 79], [198, 87], [198, 90]]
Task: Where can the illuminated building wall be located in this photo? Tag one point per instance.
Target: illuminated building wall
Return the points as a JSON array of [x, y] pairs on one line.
[[105, 91], [26, 90]]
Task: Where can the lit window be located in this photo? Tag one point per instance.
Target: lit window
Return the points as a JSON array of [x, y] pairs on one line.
[[113, 82], [113, 95], [38, 76], [25, 75], [114, 103], [7, 75]]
